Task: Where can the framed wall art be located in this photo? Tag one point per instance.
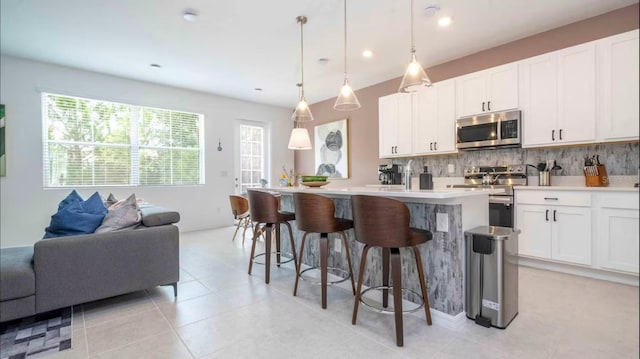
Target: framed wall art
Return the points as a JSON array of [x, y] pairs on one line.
[[331, 149]]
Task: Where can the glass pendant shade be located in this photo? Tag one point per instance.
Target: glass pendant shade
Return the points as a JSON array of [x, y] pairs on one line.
[[302, 113], [347, 100], [299, 139], [415, 76]]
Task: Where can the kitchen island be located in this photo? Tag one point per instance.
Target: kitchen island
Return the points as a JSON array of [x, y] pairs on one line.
[[447, 213]]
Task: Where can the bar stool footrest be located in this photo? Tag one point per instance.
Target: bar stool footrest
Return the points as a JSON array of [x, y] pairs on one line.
[[285, 255], [378, 308], [339, 272]]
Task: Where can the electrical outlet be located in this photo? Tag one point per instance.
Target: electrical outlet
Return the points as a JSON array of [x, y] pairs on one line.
[[442, 222], [451, 168], [337, 246]]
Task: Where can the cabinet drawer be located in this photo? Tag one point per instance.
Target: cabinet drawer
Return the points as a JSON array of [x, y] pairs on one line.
[[617, 200], [554, 198]]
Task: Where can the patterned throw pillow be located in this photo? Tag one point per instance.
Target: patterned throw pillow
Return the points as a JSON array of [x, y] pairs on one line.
[[76, 216], [121, 215]]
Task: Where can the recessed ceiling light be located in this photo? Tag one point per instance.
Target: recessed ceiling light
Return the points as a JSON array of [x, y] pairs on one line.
[[323, 61], [190, 15], [444, 21], [257, 89], [431, 10], [155, 66], [367, 53]]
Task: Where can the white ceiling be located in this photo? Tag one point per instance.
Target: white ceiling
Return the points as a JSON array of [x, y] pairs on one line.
[[236, 46]]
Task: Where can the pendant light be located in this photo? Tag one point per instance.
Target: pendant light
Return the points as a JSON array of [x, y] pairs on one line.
[[302, 112], [414, 77], [347, 100]]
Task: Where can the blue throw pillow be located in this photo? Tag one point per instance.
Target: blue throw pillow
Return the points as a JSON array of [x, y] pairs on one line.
[[76, 216]]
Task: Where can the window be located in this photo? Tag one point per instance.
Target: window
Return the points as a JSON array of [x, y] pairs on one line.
[[252, 157], [100, 143]]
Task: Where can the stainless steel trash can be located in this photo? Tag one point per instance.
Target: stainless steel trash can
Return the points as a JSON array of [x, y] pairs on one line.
[[491, 276]]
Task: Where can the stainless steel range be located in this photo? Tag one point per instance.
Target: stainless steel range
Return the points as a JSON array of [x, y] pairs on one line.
[[501, 211]]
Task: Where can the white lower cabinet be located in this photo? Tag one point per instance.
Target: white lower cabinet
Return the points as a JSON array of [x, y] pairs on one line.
[[617, 231], [555, 225]]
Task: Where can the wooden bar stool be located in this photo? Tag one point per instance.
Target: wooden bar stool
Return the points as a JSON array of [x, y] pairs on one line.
[[240, 210], [315, 214], [264, 209], [384, 222]]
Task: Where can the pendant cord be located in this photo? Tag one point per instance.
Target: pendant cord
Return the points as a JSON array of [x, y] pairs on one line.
[[413, 47], [345, 39], [302, 56]]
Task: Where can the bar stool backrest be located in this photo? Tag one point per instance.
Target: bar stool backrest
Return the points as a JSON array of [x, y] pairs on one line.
[[314, 212], [263, 207], [380, 221], [239, 205]]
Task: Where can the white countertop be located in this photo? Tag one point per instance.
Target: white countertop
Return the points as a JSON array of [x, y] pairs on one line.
[[392, 191]]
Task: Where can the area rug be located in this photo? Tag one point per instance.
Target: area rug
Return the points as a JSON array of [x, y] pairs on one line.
[[36, 336]]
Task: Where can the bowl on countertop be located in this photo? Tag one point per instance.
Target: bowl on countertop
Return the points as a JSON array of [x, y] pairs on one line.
[[315, 183]]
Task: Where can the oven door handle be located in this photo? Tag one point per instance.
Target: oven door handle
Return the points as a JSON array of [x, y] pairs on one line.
[[501, 199]]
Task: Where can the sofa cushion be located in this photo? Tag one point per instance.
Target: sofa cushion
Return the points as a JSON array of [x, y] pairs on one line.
[[17, 277], [157, 216], [76, 217], [121, 215]]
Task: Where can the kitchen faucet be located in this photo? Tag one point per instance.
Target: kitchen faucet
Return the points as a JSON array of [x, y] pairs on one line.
[[407, 175]]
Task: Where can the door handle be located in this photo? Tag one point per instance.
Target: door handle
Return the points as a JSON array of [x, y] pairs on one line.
[[430, 146], [560, 134], [554, 215], [551, 198], [435, 146], [483, 106], [488, 105], [553, 135], [546, 215]]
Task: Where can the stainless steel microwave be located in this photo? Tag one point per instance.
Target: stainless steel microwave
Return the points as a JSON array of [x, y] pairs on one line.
[[499, 129]]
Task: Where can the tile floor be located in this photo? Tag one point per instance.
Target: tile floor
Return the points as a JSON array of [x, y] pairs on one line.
[[221, 312]]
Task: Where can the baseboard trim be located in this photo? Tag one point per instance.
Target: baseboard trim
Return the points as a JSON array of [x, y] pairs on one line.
[[628, 279]]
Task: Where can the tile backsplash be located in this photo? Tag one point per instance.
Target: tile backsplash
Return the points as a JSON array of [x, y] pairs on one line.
[[621, 159]]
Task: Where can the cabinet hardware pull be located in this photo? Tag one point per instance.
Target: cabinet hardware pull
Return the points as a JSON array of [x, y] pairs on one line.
[[546, 215], [488, 105], [483, 106], [554, 215], [553, 135], [560, 134], [551, 198], [435, 146], [431, 146]]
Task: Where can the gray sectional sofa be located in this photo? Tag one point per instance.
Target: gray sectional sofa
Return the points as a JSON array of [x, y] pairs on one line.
[[61, 272]]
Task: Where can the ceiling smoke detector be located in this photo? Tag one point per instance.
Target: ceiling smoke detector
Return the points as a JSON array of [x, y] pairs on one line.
[[431, 10]]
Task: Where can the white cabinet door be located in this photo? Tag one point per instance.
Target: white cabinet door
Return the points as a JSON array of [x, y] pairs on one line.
[[571, 234], [471, 94], [617, 92], [387, 125], [405, 119], [446, 117], [576, 94], [434, 119], [538, 99], [502, 88], [534, 223], [618, 238]]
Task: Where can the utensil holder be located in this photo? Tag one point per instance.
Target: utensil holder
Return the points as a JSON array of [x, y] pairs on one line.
[[601, 180], [544, 178]]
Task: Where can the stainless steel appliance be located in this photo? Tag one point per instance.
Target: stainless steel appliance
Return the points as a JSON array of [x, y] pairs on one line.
[[390, 174], [500, 129], [501, 210], [491, 276]]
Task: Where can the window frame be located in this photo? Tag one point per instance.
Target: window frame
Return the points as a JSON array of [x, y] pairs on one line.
[[135, 145]]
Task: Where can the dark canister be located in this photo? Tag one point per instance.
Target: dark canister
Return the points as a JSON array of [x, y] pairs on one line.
[[426, 180]]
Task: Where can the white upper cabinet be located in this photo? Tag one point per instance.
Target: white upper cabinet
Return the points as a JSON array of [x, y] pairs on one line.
[[434, 119], [557, 97], [491, 90], [617, 91], [394, 121]]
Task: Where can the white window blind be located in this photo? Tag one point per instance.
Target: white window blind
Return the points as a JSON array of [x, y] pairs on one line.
[[99, 143]]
